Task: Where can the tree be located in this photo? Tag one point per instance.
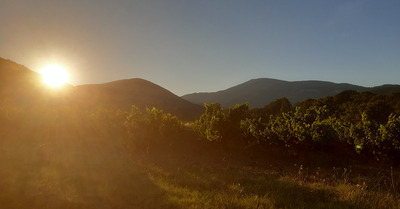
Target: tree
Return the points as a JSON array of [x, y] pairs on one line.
[[152, 125], [217, 124], [378, 110]]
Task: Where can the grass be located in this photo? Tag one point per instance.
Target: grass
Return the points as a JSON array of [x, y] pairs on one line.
[[44, 170], [199, 186]]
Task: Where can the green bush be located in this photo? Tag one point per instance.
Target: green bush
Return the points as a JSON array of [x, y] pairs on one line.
[[152, 125], [217, 124]]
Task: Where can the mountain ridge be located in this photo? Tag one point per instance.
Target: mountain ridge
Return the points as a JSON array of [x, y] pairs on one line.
[[20, 86], [259, 92], [24, 86]]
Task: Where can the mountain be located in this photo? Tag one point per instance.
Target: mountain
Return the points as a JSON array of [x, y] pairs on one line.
[[262, 91], [123, 94], [385, 89], [20, 86]]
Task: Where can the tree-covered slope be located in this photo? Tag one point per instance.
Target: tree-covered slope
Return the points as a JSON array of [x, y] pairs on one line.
[[262, 91]]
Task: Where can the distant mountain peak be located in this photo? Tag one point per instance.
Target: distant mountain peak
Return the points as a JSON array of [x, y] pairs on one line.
[[259, 92]]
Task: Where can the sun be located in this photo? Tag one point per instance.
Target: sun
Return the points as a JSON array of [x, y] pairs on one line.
[[54, 75]]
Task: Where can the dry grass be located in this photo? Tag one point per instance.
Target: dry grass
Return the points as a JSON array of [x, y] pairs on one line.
[[200, 186], [44, 170]]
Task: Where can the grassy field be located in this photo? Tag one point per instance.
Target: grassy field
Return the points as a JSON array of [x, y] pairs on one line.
[[45, 170]]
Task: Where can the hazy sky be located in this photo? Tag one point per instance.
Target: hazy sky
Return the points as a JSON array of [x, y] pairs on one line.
[[190, 46]]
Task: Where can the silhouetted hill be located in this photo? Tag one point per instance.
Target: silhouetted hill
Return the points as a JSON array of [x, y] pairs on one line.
[[142, 93], [385, 89], [262, 91], [24, 87], [18, 84]]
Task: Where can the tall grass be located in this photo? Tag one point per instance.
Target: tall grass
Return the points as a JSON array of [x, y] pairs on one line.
[[201, 186], [65, 161]]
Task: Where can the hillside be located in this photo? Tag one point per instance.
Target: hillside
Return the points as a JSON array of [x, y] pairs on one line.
[[23, 87], [262, 91], [123, 94], [18, 84]]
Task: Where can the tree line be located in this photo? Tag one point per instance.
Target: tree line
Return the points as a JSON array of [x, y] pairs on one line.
[[351, 123], [348, 123]]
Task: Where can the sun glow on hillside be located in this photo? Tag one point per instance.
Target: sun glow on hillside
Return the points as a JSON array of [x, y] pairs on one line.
[[54, 75]]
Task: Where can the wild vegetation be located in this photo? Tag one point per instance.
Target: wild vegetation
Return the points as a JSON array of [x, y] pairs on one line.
[[349, 123], [334, 152]]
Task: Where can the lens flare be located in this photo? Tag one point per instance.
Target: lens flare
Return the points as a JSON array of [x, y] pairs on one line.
[[54, 75]]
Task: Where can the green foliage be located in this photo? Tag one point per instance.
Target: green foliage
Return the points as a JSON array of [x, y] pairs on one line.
[[252, 127], [210, 124], [164, 123], [391, 131], [295, 128], [154, 124], [378, 141], [325, 131], [217, 124], [362, 123], [288, 128]]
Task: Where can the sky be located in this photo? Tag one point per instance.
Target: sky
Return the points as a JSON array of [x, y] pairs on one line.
[[189, 46]]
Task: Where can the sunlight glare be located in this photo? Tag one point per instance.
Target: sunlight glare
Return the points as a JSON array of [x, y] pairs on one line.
[[54, 75]]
